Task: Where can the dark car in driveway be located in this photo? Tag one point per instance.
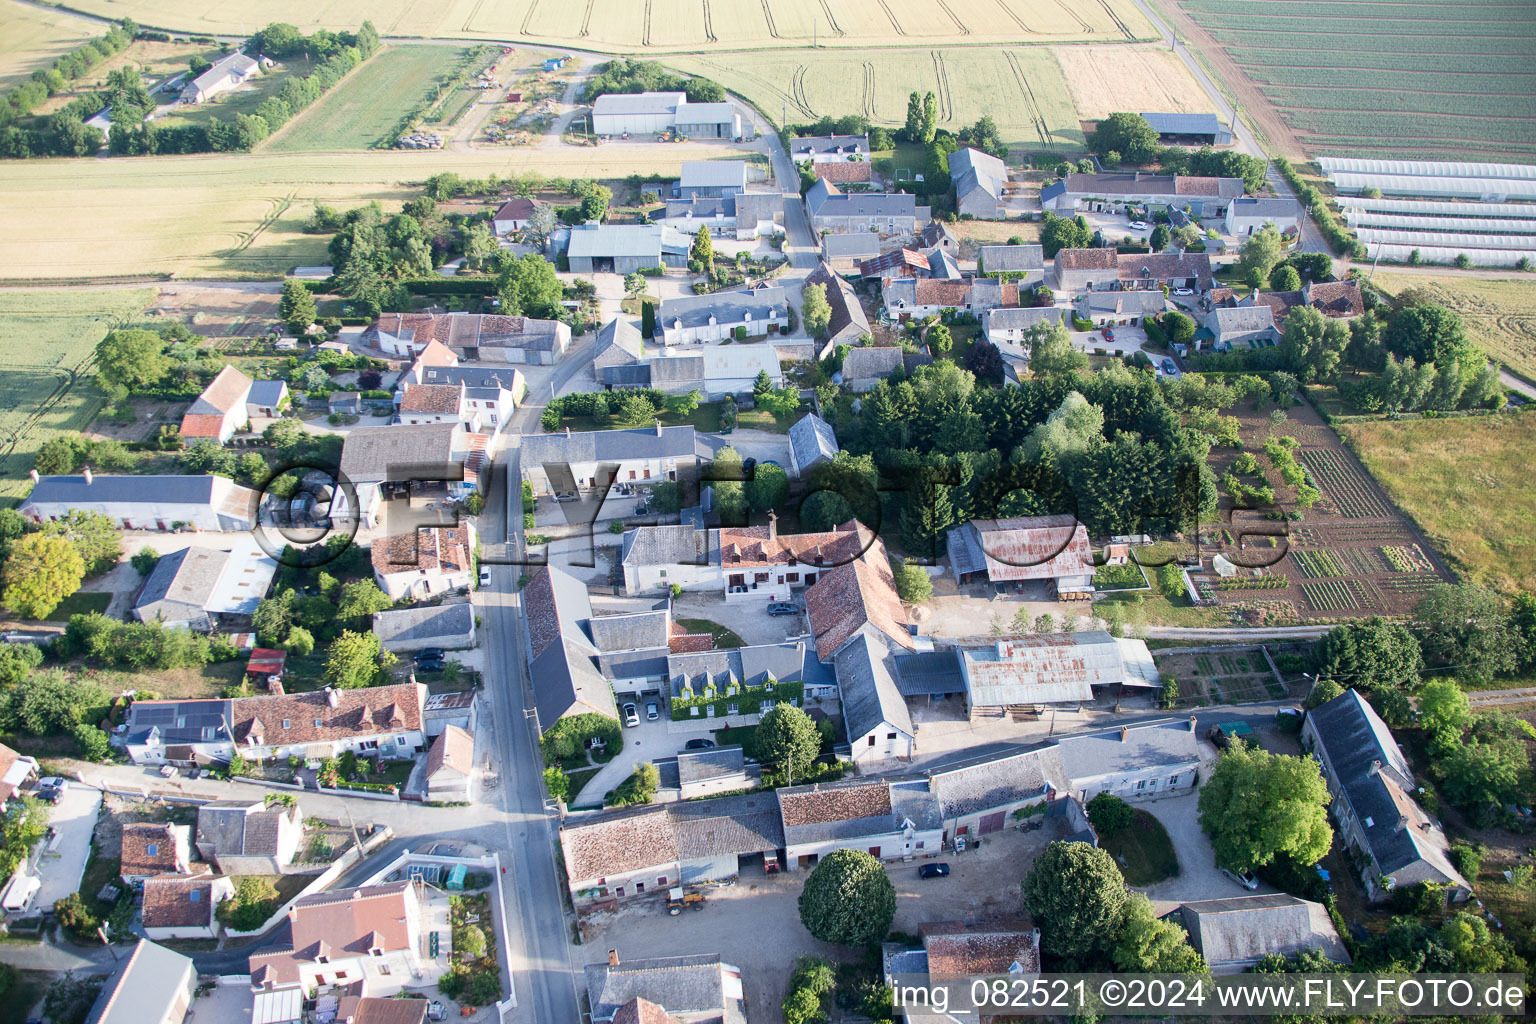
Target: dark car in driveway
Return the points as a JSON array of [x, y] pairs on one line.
[[699, 744], [429, 654], [783, 608], [940, 870]]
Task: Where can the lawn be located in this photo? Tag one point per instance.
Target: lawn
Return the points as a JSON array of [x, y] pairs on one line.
[[35, 36], [217, 215], [242, 100], [17, 1005], [723, 637], [46, 389], [737, 736], [1143, 851], [79, 604], [659, 25], [369, 104], [705, 419], [1023, 89], [1468, 484], [579, 779], [1500, 315]]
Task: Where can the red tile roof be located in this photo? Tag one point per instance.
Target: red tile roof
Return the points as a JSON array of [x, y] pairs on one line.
[[937, 292], [643, 1011], [819, 805], [178, 901], [844, 171], [744, 547], [516, 208], [957, 950], [337, 924], [374, 709], [453, 749], [1337, 298], [897, 262], [680, 641], [197, 425], [441, 548], [266, 662], [138, 838], [618, 845], [227, 390], [1196, 186], [845, 599], [434, 398]]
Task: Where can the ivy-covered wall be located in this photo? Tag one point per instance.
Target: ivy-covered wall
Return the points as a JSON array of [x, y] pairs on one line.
[[748, 699]]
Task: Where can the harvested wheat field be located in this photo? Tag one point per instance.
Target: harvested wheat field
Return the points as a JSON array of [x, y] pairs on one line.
[[1104, 79], [32, 38]]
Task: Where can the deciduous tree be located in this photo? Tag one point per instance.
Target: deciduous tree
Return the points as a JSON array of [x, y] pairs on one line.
[[1077, 896], [132, 358], [40, 572], [815, 310], [354, 660], [786, 741], [1257, 804], [1125, 133], [848, 899]]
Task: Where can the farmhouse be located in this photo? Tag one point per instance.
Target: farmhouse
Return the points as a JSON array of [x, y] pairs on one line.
[[513, 215], [909, 297], [1113, 193], [450, 764], [369, 936], [483, 401], [866, 366], [1050, 668], [659, 557], [812, 441], [1245, 216], [1251, 326], [1132, 761], [1106, 309], [191, 588], [692, 673], [155, 848], [1337, 299], [471, 336], [879, 725], [829, 209], [569, 462], [710, 179], [220, 410], [1049, 549], [625, 248], [849, 324], [446, 626], [1190, 129], [889, 820], [374, 459], [1086, 269], [226, 74], [829, 149], [686, 988], [978, 179], [1235, 933], [1373, 804], [761, 564], [848, 252], [722, 316], [645, 113], [213, 503], [1171, 270], [151, 985], [427, 562], [1022, 263], [246, 837], [182, 906], [566, 680], [1008, 325], [380, 721]]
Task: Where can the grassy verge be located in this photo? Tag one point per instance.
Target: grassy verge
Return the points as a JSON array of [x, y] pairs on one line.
[[79, 604], [723, 637], [1144, 851], [579, 779]]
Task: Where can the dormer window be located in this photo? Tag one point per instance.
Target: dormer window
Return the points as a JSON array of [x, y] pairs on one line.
[[317, 723], [153, 849], [375, 951], [285, 723], [322, 959]]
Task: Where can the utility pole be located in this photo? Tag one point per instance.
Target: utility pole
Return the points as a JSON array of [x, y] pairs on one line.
[[815, 21]]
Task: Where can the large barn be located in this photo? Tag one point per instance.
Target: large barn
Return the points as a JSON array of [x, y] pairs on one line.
[[645, 113]]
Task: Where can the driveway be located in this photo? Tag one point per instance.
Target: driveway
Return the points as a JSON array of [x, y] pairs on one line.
[[61, 859], [644, 742], [748, 617], [762, 445], [1198, 878]]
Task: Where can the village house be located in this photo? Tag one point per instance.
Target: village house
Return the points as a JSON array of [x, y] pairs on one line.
[[196, 587], [570, 462], [710, 179], [1111, 309], [1132, 761], [377, 721], [875, 715], [151, 985], [1397, 844], [376, 460], [657, 558], [1024, 264], [704, 671], [830, 209], [897, 263], [488, 394], [1337, 300], [344, 403], [722, 316], [829, 149], [617, 350], [1009, 325], [711, 772], [481, 337], [369, 936], [812, 441], [220, 411], [226, 73], [646, 113], [561, 656], [979, 179], [266, 398], [846, 253], [213, 503], [513, 215], [1078, 270], [448, 626], [908, 298], [427, 562], [1245, 216], [1234, 933], [849, 324], [888, 819], [183, 906], [1172, 270], [155, 848], [1251, 326], [458, 709], [1049, 549], [450, 765], [760, 564], [1115, 193], [961, 950], [246, 837], [866, 366], [700, 989], [625, 248], [978, 794]]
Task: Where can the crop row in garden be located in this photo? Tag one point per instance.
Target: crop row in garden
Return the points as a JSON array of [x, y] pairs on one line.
[[1406, 559], [1244, 41], [1268, 582], [1333, 595], [1319, 564], [1349, 489], [1389, 13], [1415, 583]]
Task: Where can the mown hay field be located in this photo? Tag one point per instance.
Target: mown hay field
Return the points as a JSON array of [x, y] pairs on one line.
[[1104, 79], [224, 216], [47, 388], [1412, 79], [31, 38], [1467, 482], [670, 25], [1500, 314], [369, 104], [1022, 88]]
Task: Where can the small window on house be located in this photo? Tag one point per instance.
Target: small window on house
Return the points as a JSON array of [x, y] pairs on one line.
[[383, 968], [375, 951], [194, 896], [1141, 783], [619, 892], [153, 849], [792, 577], [871, 741], [317, 723], [285, 723], [323, 959], [890, 735], [662, 573], [399, 741], [732, 709], [1173, 780], [639, 888], [661, 880]]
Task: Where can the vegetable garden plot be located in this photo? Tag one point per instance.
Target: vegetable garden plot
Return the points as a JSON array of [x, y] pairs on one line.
[[1336, 595], [1316, 565], [1353, 494], [1407, 559]]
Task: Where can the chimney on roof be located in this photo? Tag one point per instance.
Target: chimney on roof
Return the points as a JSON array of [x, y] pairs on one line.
[[1125, 733], [33, 475], [1191, 723], [658, 428], [613, 958], [567, 431], [1375, 767], [332, 698], [773, 524], [89, 478], [357, 894]]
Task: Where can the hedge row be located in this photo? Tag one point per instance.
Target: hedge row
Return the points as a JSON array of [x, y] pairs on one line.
[[1338, 236]]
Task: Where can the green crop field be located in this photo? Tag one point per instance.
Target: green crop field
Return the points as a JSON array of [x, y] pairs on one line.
[[31, 38], [47, 387], [1468, 484], [668, 25], [369, 104], [1411, 79], [1500, 314], [1022, 88]]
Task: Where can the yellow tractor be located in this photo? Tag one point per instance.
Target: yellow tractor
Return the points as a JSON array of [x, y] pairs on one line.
[[677, 899]]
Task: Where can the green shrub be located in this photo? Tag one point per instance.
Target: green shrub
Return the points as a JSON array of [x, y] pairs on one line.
[[1110, 814]]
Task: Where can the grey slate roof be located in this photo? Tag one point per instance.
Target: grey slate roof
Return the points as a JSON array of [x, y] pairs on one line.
[[665, 545], [804, 147], [744, 823], [1185, 124], [428, 623], [977, 784], [1266, 208], [614, 445], [971, 169], [1240, 320], [374, 453], [637, 375], [600, 240], [704, 207], [567, 682], [713, 173], [1162, 743], [929, 672], [853, 245], [677, 370], [727, 307], [476, 378], [1011, 259], [1131, 303], [1242, 929], [103, 488], [700, 765], [1024, 317], [184, 578], [866, 679], [749, 666], [143, 986], [266, 393], [633, 631], [680, 984], [1354, 738], [865, 361], [849, 323], [230, 828], [812, 438]]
